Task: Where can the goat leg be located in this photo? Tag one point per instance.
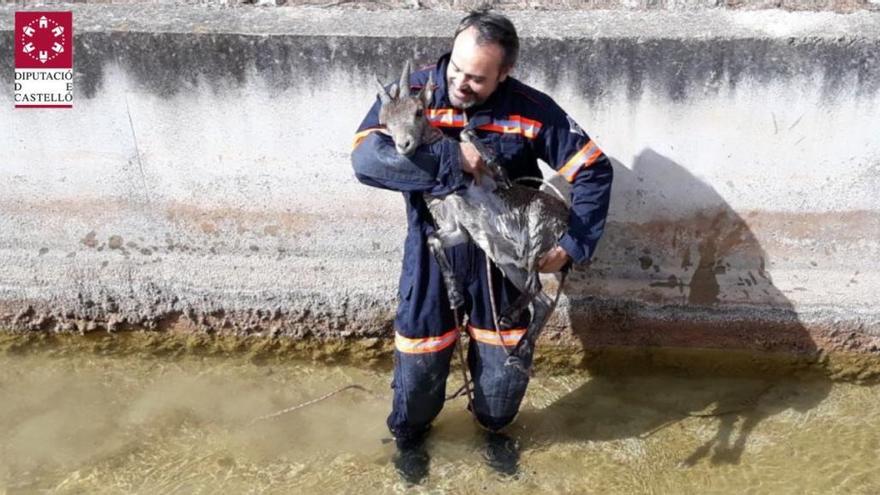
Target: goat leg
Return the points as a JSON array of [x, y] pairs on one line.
[[512, 312], [521, 354], [489, 158], [543, 307], [456, 300]]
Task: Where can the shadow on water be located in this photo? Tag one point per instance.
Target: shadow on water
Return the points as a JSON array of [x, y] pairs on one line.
[[703, 287]]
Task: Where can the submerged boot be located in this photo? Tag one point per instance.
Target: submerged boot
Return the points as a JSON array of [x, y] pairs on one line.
[[502, 453], [411, 460]]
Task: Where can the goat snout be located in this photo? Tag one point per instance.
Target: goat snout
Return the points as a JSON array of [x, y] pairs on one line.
[[405, 146]]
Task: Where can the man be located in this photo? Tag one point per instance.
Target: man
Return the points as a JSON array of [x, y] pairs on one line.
[[474, 90]]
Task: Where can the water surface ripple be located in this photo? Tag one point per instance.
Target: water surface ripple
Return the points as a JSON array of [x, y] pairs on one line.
[[112, 424]]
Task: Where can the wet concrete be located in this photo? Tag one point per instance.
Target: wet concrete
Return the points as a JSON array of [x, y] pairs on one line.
[[554, 357]]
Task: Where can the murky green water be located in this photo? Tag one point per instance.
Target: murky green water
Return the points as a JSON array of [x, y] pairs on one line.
[[97, 424]]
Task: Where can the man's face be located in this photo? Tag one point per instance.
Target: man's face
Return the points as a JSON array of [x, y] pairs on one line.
[[474, 70]]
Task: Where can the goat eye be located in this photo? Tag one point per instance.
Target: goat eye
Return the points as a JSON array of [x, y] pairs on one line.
[[418, 113]]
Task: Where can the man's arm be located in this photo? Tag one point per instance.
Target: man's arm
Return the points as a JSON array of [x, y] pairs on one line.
[[571, 152], [434, 168]]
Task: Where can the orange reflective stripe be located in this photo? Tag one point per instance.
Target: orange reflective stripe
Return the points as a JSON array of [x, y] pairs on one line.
[[585, 157], [592, 158], [528, 122], [425, 345], [577, 159], [491, 337], [515, 124], [446, 117], [363, 135]]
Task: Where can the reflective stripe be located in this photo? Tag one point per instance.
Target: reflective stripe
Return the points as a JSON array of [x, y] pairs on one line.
[[515, 124], [446, 117], [582, 159], [363, 135], [425, 345], [491, 337]]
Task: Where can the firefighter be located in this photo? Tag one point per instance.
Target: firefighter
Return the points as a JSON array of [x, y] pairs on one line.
[[474, 89]]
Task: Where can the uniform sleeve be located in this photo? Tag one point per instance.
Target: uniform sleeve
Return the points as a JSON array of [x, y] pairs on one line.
[[434, 168], [571, 152]]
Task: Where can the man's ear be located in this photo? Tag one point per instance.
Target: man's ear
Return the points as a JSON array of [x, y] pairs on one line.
[[505, 71]]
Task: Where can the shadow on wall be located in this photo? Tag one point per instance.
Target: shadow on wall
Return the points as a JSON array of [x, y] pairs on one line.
[[680, 280], [678, 267]]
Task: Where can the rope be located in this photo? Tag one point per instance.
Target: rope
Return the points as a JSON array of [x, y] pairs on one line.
[[748, 405], [542, 182], [309, 403], [458, 393], [464, 366], [494, 307]]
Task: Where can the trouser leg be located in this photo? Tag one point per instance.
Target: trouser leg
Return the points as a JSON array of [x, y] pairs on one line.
[[425, 337], [419, 386], [498, 389]]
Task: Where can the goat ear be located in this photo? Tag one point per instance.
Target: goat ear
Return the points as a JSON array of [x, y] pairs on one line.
[[404, 80], [392, 91], [428, 90], [383, 95]]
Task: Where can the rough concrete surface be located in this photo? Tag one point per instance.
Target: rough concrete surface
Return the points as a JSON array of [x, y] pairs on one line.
[[201, 183], [463, 5]]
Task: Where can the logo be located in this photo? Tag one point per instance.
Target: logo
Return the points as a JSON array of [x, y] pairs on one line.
[[43, 60], [574, 127]]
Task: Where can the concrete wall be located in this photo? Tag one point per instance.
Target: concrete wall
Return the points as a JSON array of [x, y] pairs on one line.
[[202, 180], [465, 5]]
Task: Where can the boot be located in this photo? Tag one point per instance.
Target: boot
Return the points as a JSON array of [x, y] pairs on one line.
[[502, 453]]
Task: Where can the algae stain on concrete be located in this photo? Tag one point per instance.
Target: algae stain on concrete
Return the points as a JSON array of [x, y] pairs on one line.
[[115, 242], [90, 239], [550, 359]]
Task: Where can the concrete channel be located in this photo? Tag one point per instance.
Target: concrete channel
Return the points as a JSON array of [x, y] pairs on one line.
[[201, 184]]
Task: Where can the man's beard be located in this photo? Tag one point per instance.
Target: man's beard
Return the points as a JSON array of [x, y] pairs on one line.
[[462, 105], [465, 105]]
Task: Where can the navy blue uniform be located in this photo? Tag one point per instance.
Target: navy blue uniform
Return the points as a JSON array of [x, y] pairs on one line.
[[522, 125]]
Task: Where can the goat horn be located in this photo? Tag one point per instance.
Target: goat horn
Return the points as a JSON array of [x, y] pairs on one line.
[[383, 95], [404, 80]]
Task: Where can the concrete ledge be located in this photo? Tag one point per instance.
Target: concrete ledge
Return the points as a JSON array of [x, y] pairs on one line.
[[202, 184], [551, 359], [573, 24]]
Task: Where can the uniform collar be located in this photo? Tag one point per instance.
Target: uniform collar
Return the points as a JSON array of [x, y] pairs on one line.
[[441, 92]]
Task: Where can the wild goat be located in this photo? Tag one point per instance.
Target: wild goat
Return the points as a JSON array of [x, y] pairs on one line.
[[513, 224]]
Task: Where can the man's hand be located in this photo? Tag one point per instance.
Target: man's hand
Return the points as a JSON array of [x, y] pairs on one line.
[[553, 261], [472, 163]]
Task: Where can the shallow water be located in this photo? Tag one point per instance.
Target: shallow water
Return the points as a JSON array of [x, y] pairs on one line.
[[112, 424]]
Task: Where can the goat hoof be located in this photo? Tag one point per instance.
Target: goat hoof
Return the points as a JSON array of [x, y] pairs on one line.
[[455, 300], [516, 363]]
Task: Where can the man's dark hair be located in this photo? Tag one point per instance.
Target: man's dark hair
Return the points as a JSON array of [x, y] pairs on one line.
[[493, 28]]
